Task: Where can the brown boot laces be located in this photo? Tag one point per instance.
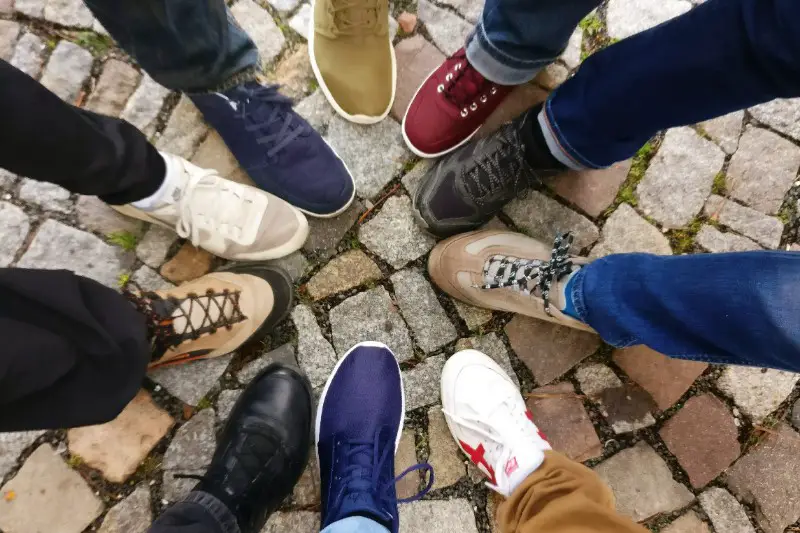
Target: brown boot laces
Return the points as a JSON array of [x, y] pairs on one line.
[[160, 315]]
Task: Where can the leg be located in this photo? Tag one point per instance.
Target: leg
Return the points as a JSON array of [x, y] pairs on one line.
[[75, 351], [183, 44], [596, 119]]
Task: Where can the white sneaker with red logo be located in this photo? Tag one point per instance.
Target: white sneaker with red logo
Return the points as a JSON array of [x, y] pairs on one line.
[[490, 421]]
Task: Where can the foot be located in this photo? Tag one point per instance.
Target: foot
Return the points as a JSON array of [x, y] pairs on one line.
[[467, 188], [490, 421], [507, 271], [213, 315], [228, 219], [450, 107], [279, 150], [263, 448], [353, 58], [359, 423]]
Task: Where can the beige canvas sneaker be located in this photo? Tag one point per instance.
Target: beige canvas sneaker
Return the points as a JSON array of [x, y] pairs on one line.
[[228, 219], [213, 315], [353, 58], [506, 271]]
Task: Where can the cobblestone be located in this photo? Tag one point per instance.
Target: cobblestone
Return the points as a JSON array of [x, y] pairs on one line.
[[394, 234], [116, 84], [543, 218], [284, 354], [189, 453], [491, 345], [688, 523], [405, 457], [67, 69], [450, 516], [314, 352], [294, 264], [190, 382], [625, 231], [783, 115], [32, 8], [16, 225], [98, 216], [757, 391], [184, 130], [592, 190], [416, 59], [445, 458], [188, 264], [12, 445], [296, 522], [131, 515], [155, 245], [316, 110], [258, 24], [724, 511], [144, 105], [68, 13], [29, 55], [759, 227], [149, 280], [627, 409], [46, 195], [628, 17], [422, 310], [301, 20], [346, 271], [473, 316], [225, 402], [421, 383], [448, 31], [9, 33], [711, 239], [725, 130]]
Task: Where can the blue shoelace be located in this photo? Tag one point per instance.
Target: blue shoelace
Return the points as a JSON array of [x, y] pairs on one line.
[[281, 112]]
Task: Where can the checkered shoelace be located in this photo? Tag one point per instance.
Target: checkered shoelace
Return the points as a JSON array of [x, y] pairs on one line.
[[528, 275]]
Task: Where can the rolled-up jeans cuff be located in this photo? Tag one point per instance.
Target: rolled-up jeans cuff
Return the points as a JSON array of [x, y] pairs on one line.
[[497, 66], [218, 510], [556, 142]]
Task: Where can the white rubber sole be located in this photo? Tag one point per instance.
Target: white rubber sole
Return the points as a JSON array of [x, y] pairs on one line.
[[416, 150], [321, 404], [356, 119], [352, 196]]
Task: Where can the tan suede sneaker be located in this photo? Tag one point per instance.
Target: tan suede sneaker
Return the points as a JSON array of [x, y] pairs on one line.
[[215, 314], [507, 271], [353, 58]]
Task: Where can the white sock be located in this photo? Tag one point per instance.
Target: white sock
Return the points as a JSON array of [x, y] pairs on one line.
[[165, 193]]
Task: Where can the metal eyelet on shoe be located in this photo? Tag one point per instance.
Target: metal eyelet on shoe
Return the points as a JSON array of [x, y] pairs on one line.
[[484, 99], [440, 88], [464, 112], [473, 107], [494, 90], [458, 66], [449, 77]]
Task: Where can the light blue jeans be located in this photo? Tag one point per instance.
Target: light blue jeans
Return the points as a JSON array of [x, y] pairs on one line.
[[355, 524]]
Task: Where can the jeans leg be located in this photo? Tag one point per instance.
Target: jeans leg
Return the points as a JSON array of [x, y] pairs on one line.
[[720, 57], [736, 308], [185, 45], [355, 524], [516, 38], [199, 512], [46, 139]]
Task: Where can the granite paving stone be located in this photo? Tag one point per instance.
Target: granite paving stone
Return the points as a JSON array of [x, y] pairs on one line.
[[467, 9], [713, 240], [295, 264], [98, 216], [225, 402], [767, 477], [628, 17], [258, 24], [572, 55], [190, 452], [725, 130], [666, 379], [9, 34], [31, 8], [306, 492], [351, 269], [294, 521], [491, 345], [6, 7], [326, 233], [422, 383], [68, 67], [445, 457], [188, 264], [370, 315], [725, 513], [117, 448], [626, 408], [591, 190], [757, 391], [29, 54], [301, 20], [422, 311], [642, 483], [551, 76], [48, 496], [688, 523], [626, 232], [316, 110], [283, 354], [46, 195], [68, 13], [284, 5], [185, 129], [190, 382], [116, 84], [314, 353], [559, 413], [293, 72], [763, 229], [405, 457], [81, 252], [763, 169], [12, 445], [547, 349], [214, 153], [7, 179], [416, 59], [781, 114], [448, 31], [131, 515], [373, 154], [450, 516], [414, 177], [474, 317], [154, 246], [394, 235], [543, 218], [796, 414], [144, 105], [16, 225], [703, 436], [679, 178]]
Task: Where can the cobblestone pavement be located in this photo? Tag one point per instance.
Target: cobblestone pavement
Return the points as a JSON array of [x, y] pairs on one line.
[[685, 446]]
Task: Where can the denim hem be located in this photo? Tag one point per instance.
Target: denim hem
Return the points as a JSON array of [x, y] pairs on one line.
[[497, 66], [579, 303], [557, 143], [249, 74], [218, 510]]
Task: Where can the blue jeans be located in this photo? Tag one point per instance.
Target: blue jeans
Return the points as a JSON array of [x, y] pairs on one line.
[[355, 524], [186, 45], [736, 308]]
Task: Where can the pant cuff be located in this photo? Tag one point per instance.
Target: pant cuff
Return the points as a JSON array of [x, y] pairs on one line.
[[218, 510], [249, 74], [556, 143], [496, 66]]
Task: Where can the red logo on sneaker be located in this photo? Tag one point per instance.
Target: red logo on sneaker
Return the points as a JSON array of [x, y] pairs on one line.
[[511, 466], [539, 431], [477, 456]]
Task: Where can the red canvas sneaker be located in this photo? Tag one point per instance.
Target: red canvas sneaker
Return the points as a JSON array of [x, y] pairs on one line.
[[449, 107]]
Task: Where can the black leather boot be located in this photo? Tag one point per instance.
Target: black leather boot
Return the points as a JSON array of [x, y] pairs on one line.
[[264, 447]]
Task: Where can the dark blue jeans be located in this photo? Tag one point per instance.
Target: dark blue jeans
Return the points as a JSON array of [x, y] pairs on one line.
[[737, 308], [187, 45], [720, 57]]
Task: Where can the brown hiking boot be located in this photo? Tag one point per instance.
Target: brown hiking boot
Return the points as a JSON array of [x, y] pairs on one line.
[[215, 314], [507, 271]]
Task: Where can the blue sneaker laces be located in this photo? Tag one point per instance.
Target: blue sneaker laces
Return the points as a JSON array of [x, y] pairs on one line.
[[281, 112]]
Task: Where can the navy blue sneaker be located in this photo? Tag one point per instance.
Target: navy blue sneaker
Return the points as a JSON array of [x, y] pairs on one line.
[[280, 151], [359, 423]]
